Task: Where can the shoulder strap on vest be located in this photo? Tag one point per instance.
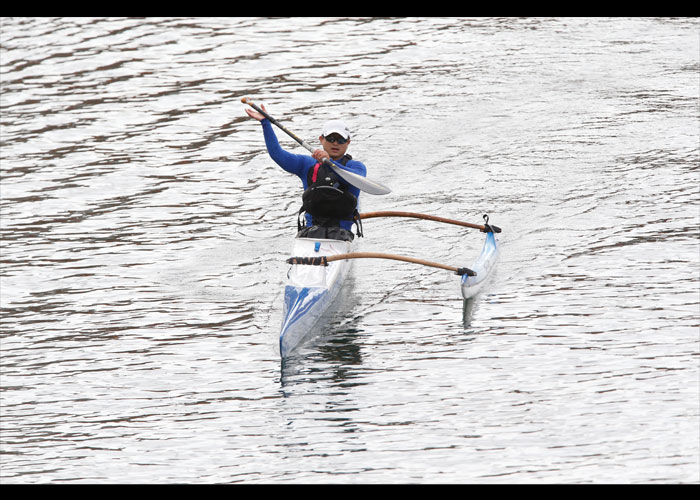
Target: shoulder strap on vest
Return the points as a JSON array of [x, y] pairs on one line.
[[313, 173]]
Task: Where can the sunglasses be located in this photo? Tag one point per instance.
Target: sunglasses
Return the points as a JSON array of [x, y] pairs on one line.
[[335, 138]]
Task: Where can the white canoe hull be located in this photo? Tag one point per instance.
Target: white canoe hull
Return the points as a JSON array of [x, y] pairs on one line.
[[484, 265], [310, 290]]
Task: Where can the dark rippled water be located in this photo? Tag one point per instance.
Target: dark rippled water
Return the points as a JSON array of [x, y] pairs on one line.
[[144, 231]]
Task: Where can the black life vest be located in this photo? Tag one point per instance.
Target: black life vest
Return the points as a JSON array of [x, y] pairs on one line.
[[327, 198]]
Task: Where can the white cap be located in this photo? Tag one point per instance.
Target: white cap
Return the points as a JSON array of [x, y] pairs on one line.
[[335, 127]]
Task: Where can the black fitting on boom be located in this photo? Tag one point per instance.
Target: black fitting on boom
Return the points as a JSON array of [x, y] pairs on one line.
[[463, 270]]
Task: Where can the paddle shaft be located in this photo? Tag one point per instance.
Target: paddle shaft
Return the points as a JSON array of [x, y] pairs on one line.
[[325, 259], [390, 213], [362, 183], [291, 134]]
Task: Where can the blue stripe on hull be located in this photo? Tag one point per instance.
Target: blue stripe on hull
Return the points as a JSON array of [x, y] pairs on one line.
[[303, 306]]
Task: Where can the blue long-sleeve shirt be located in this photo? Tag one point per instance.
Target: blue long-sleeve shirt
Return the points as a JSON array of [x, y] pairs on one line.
[[300, 165]]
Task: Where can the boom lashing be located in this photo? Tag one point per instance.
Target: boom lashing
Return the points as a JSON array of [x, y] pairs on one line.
[[309, 261]]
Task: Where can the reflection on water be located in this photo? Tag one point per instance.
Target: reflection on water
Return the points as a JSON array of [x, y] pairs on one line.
[[144, 231]]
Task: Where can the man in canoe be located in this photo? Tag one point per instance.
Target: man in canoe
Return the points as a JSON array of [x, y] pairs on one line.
[[330, 203]]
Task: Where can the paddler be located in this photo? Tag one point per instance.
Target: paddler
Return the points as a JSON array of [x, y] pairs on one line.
[[330, 204]]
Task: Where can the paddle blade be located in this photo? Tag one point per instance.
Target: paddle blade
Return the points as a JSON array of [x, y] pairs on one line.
[[362, 183]]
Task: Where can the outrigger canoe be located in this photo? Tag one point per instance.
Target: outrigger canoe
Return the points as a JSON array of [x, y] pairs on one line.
[[320, 267]]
